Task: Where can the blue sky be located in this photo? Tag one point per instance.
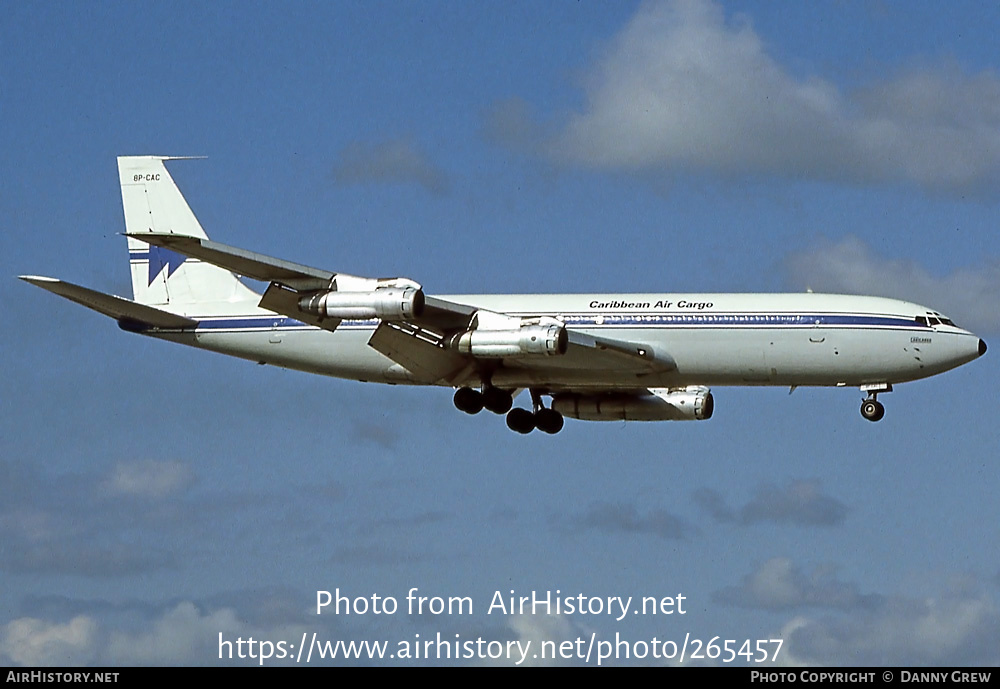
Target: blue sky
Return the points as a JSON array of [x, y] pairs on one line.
[[153, 496]]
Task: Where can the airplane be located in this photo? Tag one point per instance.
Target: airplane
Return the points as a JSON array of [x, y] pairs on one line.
[[595, 356]]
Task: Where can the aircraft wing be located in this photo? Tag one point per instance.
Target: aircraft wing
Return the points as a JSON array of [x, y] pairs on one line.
[[605, 354], [425, 354], [243, 262], [129, 314], [417, 343], [288, 278]]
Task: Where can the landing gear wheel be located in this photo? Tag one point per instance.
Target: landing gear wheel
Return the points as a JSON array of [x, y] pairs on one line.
[[468, 400], [873, 410], [521, 421], [548, 421], [497, 401]]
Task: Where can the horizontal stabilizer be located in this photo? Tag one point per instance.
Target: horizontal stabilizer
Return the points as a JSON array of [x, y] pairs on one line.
[[131, 316]]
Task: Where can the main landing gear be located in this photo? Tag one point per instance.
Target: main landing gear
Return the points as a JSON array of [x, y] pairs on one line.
[[546, 420], [500, 402], [494, 399], [871, 408]]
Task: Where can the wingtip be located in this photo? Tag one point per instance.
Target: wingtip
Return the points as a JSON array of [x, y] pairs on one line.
[[151, 157], [34, 279]]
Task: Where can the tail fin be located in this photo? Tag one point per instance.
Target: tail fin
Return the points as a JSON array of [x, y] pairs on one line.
[[153, 203]]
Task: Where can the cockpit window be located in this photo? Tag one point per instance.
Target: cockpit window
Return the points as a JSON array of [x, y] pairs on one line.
[[936, 319]]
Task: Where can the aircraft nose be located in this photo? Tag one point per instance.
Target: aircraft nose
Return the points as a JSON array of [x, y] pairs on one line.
[[982, 347]]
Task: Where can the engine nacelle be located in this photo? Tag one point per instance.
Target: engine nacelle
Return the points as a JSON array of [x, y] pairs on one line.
[[693, 403], [386, 303], [528, 340]]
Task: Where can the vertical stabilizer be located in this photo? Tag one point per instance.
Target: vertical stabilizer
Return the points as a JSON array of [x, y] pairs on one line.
[[153, 203]]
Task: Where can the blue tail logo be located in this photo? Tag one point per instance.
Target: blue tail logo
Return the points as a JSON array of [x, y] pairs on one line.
[[159, 258]]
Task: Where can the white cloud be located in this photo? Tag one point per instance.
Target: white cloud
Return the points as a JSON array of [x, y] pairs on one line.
[[778, 584], [961, 626], [396, 161], [150, 478], [951, 630], [802, 503], [30, 641], [968, 296], [182, 635], [79, 525], [682, 87], [608, 516], [538, 630]]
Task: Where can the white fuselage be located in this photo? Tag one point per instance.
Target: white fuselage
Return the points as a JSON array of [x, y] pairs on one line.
[[598, 357], [706, 339]]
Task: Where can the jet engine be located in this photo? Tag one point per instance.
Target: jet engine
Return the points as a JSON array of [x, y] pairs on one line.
[[386, 303], [693, 403], [528, 340]]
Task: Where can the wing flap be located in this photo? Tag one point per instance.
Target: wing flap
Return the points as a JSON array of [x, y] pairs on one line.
[[120, 309], [286, 302], [418, 353], [618, 353], [445, 315]]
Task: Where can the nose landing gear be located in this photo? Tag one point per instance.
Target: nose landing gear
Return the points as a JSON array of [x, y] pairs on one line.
[[871, 408]]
